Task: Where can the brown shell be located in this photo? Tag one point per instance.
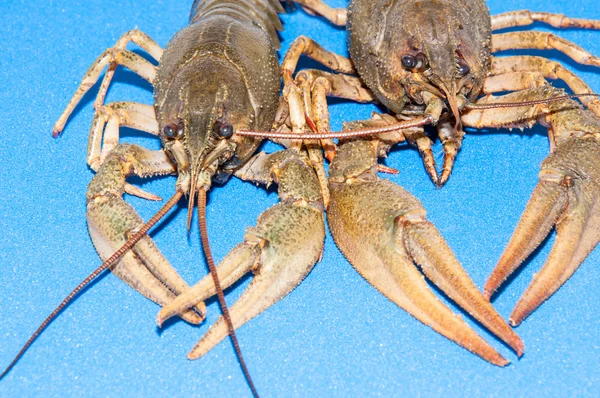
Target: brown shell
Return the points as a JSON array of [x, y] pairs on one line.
[[382, 31]]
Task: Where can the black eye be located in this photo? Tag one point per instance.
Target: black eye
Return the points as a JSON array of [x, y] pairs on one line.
[[171, 130], [409, 61], [463, 69], [226, 130], [422, 62], [222, 129]]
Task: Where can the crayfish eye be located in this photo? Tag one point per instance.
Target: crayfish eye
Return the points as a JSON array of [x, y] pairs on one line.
[[422, 62], [222, 129], [171, 130], [409, 61], [463, 69], [226, 130]]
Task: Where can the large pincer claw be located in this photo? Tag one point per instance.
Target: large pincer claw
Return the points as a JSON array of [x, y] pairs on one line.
[[111, 221], [382, 230], [566, 196], [281, 250]]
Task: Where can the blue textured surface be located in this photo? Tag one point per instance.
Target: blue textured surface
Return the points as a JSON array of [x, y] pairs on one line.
[[334, 335]]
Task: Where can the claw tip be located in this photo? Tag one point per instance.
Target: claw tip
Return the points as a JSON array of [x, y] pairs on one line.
[[519, 347], [498, 360], [442, 181], [55, 133]]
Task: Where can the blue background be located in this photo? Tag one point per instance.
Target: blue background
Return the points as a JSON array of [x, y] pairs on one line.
[[334, 335]]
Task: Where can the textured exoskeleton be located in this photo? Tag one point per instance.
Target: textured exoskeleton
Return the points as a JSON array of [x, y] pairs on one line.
[[382, 229], [195, 111], [423, 52], [273, 281], [566, 195], [218, 75], [450, 39], [281, 250], [428, 57]]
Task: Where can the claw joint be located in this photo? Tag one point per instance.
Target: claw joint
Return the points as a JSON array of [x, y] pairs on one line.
[[412, 217], [554, 176]]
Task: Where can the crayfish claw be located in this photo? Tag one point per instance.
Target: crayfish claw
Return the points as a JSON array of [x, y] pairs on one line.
[[396, 277], [240, 260], [140, 193], [382, 230], [543, 210], [452, 145], [281, 249], [424, 146], [566, 196], [111, 221], [287, 255], [418, 138], [430, 250], [451, 138]]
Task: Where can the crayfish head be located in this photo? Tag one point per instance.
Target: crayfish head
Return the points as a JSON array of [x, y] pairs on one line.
[[442, 54], [431, 47], [205, 103]]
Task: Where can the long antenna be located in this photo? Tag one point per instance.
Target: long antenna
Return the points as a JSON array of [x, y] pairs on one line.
[[528, 103], [110, 261], [338, 134], [365, 132], [220, 295]]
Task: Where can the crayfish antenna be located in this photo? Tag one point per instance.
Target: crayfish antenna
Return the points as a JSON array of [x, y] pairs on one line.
[[364, 132], [135, 238], [220, 295], [529, 103]]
